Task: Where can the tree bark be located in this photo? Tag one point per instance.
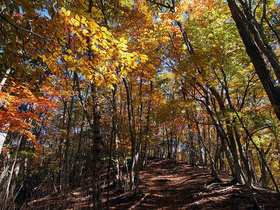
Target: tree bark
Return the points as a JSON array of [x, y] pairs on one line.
[[132, 136], [112, 139], [3, 134], [12, 171], [94, 123], [147, 130], [213, 167], [271, 87]]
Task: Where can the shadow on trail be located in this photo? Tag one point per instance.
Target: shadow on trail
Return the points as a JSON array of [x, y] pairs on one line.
[[170, 185]]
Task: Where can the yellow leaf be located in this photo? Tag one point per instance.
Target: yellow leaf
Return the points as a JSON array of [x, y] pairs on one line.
[[103, 29], [66, 12], [63, 10], [144, 58], [110, 86], [77, 17], [134, 65], [93, 47], [85, 31], [44, 58], [84, 21], [122, 46], [116, 64], [93, 25], [107, 35], [123, 40], [74, 22], [89, 76]]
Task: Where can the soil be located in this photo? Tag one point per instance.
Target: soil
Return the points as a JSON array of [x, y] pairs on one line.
[[166, 184], [170, 185]]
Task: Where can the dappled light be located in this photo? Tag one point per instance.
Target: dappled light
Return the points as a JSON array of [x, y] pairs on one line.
[[139, 104]]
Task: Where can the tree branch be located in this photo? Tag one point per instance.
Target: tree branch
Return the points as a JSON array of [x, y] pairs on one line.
[[161, 4], [26, 30]]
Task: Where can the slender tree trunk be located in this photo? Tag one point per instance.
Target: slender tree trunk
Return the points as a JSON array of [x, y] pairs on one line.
[[60, 151], [12, 171], [3, 134], [139, 145], [4, 79], [65, 166], [220, 132], [97, 143], [231, 139], [77, 165], [164, 136], [264, 178], [176, 147], [147, 131], [132, 136], [213, 167], [96, 150], [192, 147], [112, 139]]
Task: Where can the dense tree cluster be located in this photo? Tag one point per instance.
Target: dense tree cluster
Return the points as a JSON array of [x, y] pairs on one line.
[[91, 83]]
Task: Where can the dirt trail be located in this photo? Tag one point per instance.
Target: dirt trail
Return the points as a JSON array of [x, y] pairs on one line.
[[169, 185]]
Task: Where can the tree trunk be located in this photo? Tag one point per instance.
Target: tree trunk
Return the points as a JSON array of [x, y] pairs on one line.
[[213, 167], [271, 87], [139, 145], [97, 143], [96, 150], [3, 134], [112, 139], [192, 147], [65, 166], [147, 131], [132, 136], [264, 178], [14, 170]]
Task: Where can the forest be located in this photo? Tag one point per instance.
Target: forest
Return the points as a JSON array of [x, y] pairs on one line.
[[91, 90]]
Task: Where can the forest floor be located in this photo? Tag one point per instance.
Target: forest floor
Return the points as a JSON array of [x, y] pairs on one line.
[[166, 184]]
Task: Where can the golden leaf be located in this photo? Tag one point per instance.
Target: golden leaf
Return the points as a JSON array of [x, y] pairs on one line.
[[103, 29], [85, 31], [66, 12], [89, 76], [84, 21]]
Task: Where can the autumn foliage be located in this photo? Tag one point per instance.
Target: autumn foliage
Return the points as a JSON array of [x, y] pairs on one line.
[[86, 84]]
